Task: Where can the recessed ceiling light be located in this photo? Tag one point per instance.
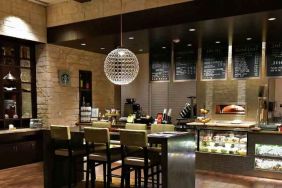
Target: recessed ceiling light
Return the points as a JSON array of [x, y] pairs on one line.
[[217, 42], [83, 44], [163, 47], [177, 40], [192, 29], [102, 48], [131, 38], [189, 45], [271, 19], [249, 38], [140, 50]]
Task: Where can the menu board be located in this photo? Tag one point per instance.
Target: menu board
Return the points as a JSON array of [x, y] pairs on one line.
[[246, 61], [214, 63], [159, 67], [274, 59], [185, 65]]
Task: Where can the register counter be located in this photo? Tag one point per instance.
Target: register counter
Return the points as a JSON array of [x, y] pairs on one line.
[[238, 150]]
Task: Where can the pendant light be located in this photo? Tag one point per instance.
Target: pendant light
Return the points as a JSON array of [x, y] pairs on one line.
[[121, 66]]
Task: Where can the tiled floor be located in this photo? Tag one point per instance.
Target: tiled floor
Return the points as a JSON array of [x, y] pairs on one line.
[[31, 176]]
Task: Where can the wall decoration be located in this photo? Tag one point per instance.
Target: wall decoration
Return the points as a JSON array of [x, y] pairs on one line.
[[64, 77]]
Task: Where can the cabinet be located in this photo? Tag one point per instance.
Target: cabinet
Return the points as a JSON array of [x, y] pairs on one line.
[[85, 95], [18, 96]]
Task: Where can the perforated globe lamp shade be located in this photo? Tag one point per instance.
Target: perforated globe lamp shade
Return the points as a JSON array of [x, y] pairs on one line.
[[121, 66]]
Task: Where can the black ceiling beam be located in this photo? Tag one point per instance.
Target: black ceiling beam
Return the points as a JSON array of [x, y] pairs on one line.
[[157, 17]]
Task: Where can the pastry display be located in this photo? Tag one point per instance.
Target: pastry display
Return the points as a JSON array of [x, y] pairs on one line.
[[268, 150], [268, 164], [223, 142]]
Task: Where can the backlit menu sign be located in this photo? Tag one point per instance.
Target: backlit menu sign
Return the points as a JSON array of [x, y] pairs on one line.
[[214, 63], [274, 59], [246, 61]]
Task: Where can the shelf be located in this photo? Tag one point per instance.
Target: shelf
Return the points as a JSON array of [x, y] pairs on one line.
[[26, 82], [11, 66], [267, 157], [13, 91], [25, 59], [224, 154]]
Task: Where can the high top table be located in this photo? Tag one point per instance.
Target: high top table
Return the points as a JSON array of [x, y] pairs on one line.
[[177, 163]]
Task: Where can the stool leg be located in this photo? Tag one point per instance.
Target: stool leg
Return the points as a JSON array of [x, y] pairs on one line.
[[87, 174], [69, 172], [122, 177], [105, 175], [139, 178], [145, 177], [153, 177], [127, 177], [93, 176], [158, 176], [109, 174], [136, 177]]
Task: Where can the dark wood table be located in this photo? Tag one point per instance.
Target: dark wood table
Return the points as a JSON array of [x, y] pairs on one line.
[[178, 157]]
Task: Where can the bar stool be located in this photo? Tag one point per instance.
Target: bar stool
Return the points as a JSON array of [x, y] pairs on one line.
[[62, 147], [103, 153], [132, 143]]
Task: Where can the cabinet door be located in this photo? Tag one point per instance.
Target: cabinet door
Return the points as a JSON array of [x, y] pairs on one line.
[[8, 156]]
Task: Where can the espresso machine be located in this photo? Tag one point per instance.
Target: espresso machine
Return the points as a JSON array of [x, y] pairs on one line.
[[130, 107]]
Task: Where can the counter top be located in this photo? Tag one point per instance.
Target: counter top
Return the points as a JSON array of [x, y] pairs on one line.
[[225, 124], [23, 130]]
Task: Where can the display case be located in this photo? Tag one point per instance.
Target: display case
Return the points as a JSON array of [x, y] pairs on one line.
[[223, 142], [268, 157]]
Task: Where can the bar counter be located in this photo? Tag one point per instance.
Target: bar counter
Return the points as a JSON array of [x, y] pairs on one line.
[[237, 150], [178, 160]]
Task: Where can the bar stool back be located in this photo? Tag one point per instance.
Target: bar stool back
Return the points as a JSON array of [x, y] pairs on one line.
[[135, 126], [101, 124]]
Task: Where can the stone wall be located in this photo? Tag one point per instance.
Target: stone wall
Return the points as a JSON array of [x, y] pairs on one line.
[[71, 11], [23, 19], [58, 104]]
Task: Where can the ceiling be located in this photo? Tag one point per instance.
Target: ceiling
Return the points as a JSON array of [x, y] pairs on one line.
[[103, 35]]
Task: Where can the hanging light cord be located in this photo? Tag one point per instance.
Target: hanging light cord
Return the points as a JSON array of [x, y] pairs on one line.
[[121, 25]]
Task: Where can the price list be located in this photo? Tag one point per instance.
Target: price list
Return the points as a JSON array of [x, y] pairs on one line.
[[214, 63], [274, 59], [246, 61]]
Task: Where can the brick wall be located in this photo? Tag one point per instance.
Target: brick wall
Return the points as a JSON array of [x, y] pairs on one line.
[[71, 11], [23, 19], [57, 104]]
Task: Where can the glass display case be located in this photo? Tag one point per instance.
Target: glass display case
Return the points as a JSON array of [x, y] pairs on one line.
[[268, 157], [223, 142]]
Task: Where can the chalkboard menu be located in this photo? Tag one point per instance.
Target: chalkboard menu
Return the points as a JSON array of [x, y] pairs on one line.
[[246, 61], [159, 66], [214, 63], [274, 59], [185, 64]]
